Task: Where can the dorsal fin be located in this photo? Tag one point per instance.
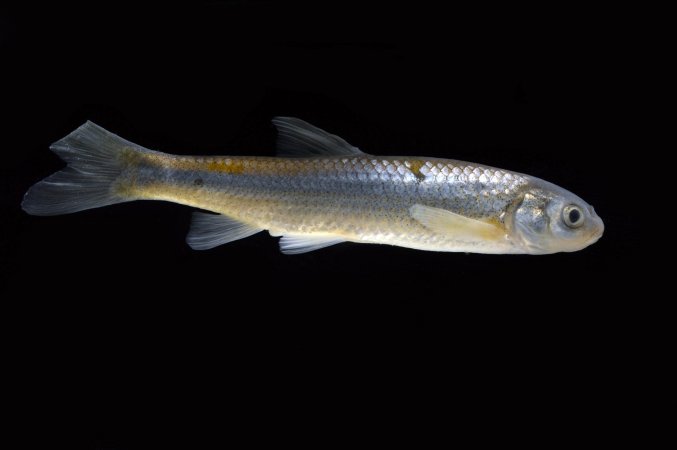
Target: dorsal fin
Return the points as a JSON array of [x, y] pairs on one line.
[[296, 137]]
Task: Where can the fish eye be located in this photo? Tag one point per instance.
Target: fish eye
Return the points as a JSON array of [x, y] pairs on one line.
[[572, 216]]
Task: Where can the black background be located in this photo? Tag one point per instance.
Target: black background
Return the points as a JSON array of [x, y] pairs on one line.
[[153, 342]]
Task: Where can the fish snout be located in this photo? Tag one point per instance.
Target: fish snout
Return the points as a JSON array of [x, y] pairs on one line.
[[597, 227]]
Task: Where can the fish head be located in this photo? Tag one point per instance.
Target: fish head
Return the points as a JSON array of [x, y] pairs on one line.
[[549, 219]]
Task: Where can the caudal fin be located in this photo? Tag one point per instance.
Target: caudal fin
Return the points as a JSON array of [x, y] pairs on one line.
[[95, 158]]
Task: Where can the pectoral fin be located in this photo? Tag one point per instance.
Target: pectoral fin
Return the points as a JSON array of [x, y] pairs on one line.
[[455, 225]]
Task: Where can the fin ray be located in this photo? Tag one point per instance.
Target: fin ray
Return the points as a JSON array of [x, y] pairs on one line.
[[94, 165], [449, 223], [294, 244], [211, 230], [296, 137]]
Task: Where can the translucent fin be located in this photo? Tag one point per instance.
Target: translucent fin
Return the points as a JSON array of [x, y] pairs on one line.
[[451, 224], [293, 244], [94, 163], [211, 230], [298, 138]]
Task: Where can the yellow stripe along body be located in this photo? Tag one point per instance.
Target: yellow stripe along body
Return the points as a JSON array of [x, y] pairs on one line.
[[361, 198]]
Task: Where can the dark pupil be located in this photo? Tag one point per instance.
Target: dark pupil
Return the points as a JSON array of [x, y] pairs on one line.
[[574, 215]]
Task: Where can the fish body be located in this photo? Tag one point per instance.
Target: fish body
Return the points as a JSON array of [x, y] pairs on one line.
[[322, 191]]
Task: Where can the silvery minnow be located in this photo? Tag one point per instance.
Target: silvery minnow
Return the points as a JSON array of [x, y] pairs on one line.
[[322, 191]]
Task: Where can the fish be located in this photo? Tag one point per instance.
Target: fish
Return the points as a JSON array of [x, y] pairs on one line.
[[320, 191]]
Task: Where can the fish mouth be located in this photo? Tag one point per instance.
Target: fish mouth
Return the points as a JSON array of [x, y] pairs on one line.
[[597, 233], [539, 247], [593, 239]]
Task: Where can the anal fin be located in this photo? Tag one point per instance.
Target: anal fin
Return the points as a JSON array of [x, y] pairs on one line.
[[211, 230]]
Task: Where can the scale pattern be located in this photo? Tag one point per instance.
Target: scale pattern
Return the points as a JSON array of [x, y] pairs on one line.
[[362, 198]]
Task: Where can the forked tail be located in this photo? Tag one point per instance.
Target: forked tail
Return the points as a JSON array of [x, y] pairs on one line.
[[96, 158]]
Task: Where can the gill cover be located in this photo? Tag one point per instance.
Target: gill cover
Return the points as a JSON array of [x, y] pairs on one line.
[[549, 219]]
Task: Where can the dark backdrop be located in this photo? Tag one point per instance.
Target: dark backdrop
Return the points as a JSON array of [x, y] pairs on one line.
[[118, 318]]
